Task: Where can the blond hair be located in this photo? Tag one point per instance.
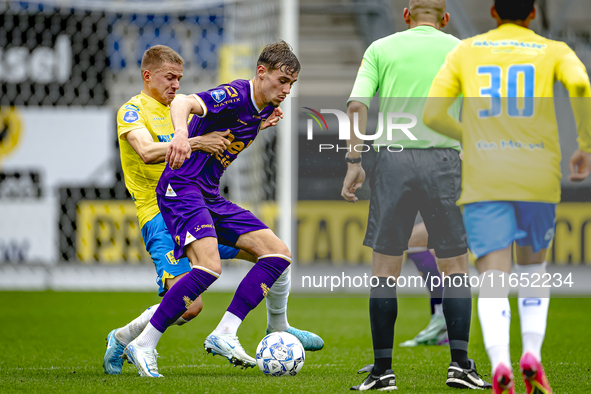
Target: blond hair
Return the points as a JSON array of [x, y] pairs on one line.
[[155, 57]]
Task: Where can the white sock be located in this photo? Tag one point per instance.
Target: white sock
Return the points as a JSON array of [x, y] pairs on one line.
[[533, 309], [277, 302], [180, 321], [135, 328], [438, 309], [149, 337], [494, 313], [229, 324]]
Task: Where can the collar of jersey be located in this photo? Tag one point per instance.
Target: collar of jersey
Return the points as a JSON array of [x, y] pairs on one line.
[[425, 28], [252, 96], [152, 99], [513, 26]]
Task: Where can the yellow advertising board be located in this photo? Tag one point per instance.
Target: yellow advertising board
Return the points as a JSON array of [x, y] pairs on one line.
[[108, 232], [328, 232], [236, 62], [573, 234]]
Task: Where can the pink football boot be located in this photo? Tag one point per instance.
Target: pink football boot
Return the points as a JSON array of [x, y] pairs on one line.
[[534, 375], [503, 380]]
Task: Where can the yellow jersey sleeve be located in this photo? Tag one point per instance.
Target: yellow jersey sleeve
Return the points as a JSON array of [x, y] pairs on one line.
[[571, 72], [129, 117], [143, 112]]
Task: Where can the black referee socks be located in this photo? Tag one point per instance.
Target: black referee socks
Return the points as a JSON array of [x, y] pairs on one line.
[[457, 309], [383, 309]]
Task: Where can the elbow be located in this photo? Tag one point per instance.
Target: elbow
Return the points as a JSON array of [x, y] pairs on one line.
[[581, 89], [147, 158], [355, 106]]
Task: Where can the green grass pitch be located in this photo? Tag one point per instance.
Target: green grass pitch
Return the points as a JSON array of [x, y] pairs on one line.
[[54, 342]]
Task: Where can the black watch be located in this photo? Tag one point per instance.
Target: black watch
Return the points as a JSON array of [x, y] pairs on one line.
[[352, 161]]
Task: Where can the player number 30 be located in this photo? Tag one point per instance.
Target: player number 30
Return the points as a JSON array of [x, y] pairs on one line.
[[527, 72]]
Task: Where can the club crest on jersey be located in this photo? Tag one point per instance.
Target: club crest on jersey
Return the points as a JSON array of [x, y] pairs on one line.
[[218, 95], [130, 116]]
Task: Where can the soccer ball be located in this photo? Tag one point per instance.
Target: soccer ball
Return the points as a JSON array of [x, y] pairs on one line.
[[279, 354]]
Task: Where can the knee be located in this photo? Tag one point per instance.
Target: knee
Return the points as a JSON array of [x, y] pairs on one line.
[[285, 251], [278, 247], [454, 265]]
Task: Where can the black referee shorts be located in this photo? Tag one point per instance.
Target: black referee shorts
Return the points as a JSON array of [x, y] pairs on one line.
[[416, 180]]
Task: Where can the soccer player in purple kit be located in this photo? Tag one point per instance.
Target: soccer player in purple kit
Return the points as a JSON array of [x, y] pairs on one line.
[[198, 217], [143, 125]]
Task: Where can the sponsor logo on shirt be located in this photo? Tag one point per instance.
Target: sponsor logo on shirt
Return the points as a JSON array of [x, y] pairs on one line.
[[231, 91], [218, 95], [509, 145], [508, 43], [203, 226], [230, 101], [132, 107], [170, 258], [130, 116]]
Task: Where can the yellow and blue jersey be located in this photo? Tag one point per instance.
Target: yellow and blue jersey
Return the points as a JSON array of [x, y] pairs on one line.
[[510, 133], [143, 112]]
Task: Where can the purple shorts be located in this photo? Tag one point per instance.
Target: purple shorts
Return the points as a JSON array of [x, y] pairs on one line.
[[191, 217]]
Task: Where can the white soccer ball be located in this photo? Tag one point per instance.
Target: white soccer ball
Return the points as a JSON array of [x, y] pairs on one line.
[[280, 353]]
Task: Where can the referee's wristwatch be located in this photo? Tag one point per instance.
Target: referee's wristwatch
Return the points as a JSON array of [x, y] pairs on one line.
[[351, 160]]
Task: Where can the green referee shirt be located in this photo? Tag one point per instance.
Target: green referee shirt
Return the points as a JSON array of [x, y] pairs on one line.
[[402, 67]]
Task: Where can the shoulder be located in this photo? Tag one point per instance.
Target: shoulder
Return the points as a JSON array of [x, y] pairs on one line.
[[469, 42], [559, 46], [129, 112], [451, 39], [386, 42], [226, 96]]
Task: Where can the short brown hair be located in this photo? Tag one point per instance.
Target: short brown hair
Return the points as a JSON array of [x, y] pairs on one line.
[[279, 56], [156, 56]]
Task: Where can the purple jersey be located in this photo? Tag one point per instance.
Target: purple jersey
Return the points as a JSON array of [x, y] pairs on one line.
[[227, 107]]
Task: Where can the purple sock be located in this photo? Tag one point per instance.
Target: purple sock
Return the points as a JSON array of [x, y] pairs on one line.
[[256, 284], [427, 266], [178, 298]]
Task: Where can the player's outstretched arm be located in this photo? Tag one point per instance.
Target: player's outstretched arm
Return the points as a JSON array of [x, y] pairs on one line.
[[214, 142], [142, 142], [180, 148], [152, 152]]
